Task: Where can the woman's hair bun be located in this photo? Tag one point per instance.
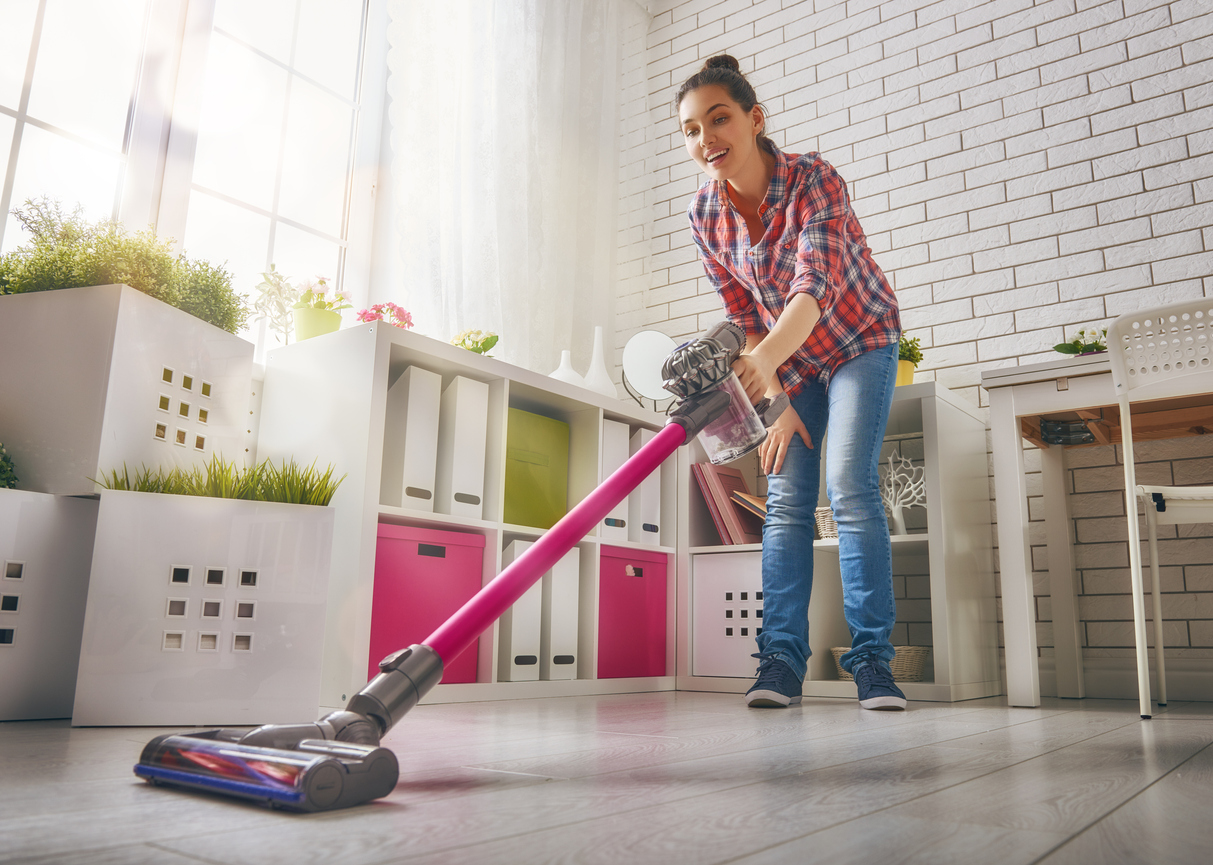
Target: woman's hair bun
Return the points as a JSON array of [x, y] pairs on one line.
[[722, 61]]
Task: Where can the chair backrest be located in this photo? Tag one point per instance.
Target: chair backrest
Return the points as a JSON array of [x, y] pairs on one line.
[[1166, 351]]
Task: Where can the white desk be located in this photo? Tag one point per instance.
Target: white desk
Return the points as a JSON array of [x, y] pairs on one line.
[[1063, 385], [1018, 397]]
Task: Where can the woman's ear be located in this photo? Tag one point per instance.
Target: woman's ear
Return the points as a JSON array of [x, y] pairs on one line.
[[758, 118]]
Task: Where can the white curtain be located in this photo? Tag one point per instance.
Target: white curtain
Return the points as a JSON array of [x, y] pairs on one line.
[[505, 152]]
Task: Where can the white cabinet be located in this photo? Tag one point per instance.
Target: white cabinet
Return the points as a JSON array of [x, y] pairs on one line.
[[943, 570], [327, 399]]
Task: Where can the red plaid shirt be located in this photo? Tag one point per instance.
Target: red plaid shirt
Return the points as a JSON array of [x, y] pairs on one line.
[[813, 243]]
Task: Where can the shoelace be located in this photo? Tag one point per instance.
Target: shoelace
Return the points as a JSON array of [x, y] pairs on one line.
[[770, 667], [872, 674]]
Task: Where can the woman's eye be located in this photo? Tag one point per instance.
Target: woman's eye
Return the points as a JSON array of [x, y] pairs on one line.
[[721, 119]]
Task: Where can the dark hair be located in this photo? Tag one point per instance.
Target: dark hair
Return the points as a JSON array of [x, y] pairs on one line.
[[724, 70]]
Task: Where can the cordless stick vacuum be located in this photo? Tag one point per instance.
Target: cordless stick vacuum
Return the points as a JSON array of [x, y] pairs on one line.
[[337, 761]]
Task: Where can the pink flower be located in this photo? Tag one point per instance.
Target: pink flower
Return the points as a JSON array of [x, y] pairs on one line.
[[394, 315]]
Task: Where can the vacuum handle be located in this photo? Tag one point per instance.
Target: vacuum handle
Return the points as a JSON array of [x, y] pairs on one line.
[[486, 606]]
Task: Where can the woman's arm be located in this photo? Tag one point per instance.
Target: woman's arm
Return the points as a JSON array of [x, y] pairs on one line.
[[757, 367]]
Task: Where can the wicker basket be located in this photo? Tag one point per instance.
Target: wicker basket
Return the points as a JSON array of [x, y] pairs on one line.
[[909, 663], [826, 527]]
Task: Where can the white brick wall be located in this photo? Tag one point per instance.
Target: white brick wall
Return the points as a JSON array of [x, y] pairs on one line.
[[1022, 169]]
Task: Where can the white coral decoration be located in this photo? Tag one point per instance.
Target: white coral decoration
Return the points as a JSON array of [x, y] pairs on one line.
[[902, 486]]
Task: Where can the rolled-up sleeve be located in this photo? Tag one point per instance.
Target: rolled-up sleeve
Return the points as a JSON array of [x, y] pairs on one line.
[[822, 244]]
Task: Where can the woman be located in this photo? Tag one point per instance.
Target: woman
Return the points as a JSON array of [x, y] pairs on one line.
[[784, 250]]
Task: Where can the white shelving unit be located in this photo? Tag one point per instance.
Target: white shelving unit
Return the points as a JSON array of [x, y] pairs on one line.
[[956, 544], [325, 399]]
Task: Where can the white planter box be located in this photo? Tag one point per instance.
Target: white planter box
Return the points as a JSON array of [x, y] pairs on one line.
[[46, 544], [110, 376], [204, 611]]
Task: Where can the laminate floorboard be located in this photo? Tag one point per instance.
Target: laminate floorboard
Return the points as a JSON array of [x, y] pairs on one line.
[[668, 777]]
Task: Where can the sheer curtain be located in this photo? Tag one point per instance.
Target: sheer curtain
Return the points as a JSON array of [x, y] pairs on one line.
[[505, 152]]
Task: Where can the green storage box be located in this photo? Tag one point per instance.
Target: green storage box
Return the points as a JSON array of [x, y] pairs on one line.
[[536, 469]]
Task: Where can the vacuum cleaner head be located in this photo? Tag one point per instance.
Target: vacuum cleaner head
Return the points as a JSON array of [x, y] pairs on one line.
[[315, 776]]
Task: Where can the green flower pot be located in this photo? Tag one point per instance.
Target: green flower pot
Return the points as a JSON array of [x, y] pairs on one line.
[[311, 322]]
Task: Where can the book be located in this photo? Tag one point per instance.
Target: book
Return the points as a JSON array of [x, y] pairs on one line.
[[710, 501], [741, 526], [756, 505]]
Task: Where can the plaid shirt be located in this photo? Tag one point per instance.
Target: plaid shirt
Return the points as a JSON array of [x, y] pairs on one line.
[[813, 243]]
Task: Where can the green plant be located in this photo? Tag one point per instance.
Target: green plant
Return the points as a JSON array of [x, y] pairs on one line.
[[263, 482], [475, 340], [1085, 342], [68, 251], [909, 350], [8, 475], [275, 300], [315, 295]]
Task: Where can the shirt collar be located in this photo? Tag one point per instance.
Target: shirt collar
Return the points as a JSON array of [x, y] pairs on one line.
[[775, 190]]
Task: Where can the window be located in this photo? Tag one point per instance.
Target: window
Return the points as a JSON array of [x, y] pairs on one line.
[[270, 156], [64, 133], [229, 125]]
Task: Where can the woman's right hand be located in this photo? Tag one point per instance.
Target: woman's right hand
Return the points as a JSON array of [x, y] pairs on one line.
[[779, 437]]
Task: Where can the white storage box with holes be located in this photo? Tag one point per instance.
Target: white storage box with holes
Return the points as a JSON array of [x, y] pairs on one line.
[[204, 611], [726, 598], [46, 544], [111, 376]]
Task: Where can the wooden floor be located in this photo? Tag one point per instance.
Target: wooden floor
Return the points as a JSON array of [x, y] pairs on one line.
[[668, 778]]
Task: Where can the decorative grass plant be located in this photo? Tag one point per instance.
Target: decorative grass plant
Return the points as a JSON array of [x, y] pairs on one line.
[[264, 482], [68, 251]]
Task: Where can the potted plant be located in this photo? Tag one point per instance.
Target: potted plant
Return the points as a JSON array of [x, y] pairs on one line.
[[316, 311], [127, 353], [8, 476], [475, 340], [68, 251], [909, 356], [207, 596], [1085, 342], [275, 303]]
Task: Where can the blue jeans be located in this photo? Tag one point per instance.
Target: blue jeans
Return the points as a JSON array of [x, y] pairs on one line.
[[854, 410]]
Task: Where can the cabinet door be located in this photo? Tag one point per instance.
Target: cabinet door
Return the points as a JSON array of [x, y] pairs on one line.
[[631, 614], [726, 613]]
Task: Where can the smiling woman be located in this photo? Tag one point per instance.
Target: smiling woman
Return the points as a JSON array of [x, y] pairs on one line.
[[785, 252]]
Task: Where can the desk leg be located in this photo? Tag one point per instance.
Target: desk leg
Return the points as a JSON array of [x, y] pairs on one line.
[[1014, 554], [1067, 647]]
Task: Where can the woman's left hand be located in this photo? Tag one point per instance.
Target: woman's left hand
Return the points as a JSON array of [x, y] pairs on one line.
[[779, 438], [754, 376]]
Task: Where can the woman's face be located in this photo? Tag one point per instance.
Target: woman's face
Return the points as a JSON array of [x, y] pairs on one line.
[[719, 135]]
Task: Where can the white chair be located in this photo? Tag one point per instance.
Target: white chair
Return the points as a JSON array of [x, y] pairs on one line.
[[1159, 353]]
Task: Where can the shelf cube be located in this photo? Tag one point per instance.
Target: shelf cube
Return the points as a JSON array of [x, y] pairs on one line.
[[536, 469], [631, 613], [422, 577]]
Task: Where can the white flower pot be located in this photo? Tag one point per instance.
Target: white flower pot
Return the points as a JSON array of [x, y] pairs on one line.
[[46, 543], [91, 393], [239, 647]]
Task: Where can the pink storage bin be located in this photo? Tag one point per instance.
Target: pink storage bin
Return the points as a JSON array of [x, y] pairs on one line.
[[422, 577], [631, 613]]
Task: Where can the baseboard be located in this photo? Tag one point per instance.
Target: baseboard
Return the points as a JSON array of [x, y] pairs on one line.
[[1188, 679]]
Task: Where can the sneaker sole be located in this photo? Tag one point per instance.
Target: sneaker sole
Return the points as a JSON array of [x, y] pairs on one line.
[[769, 700], [888, 704]]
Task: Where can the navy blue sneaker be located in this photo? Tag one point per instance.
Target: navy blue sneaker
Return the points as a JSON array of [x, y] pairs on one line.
[[876, 689], [777, 685]]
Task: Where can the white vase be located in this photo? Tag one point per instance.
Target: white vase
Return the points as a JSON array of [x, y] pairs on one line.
[[597, 378], [565, 371]]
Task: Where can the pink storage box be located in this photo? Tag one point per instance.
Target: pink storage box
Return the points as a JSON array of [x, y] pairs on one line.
[[631, 613], [422, 577]]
